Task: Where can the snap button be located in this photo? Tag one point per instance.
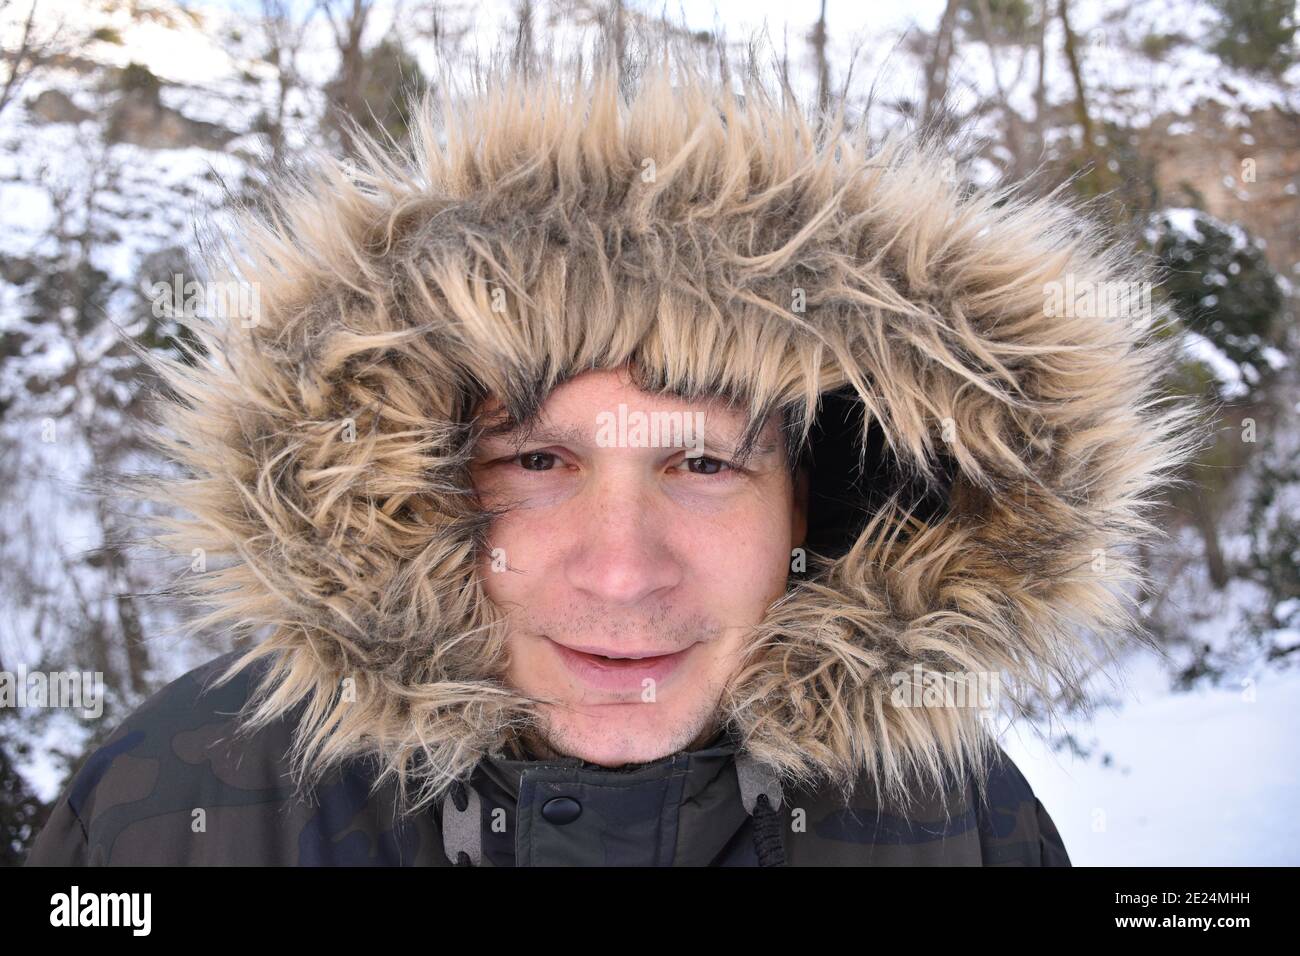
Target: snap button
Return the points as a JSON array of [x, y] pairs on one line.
[[561, 810]]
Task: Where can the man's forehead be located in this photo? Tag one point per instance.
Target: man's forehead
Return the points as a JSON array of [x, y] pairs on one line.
[[579, 423]]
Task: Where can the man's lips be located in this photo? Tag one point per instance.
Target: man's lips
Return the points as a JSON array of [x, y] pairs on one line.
[[618, 653], [619, 669]]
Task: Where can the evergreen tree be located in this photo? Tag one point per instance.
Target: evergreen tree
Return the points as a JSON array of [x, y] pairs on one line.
[[1256, 35], [1222, 287]]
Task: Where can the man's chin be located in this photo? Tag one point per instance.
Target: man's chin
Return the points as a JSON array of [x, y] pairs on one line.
[[607, 742], [616, 752]]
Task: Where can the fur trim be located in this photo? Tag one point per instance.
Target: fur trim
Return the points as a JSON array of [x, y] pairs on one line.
[[666, 225]]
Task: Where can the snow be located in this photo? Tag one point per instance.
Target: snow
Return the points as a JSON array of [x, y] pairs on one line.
[[1183, 222], [1224, 369], [177, 46], [1204, 778]]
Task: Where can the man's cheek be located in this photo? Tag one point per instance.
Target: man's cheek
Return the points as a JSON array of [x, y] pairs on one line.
[[516, 543], [509, 584], [746, 551], [762, 579]]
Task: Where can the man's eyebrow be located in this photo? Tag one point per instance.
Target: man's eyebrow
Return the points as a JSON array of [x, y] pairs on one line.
[[728, 442], [523, 433]]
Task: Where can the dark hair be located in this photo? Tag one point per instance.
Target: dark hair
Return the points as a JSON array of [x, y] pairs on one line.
[[850, 477]]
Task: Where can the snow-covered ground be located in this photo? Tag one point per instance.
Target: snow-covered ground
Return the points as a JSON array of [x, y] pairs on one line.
[[1205, 778]]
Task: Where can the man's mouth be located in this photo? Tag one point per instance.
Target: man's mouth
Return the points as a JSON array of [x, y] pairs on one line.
[[620, 670], [611, 654]]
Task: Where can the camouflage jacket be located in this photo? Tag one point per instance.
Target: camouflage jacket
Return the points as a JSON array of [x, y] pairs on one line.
[[175, 785]]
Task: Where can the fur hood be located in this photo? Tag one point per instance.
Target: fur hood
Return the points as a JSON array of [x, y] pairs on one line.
[[982, 460]]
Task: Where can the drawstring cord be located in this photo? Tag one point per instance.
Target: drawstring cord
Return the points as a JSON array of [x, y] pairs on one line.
[[767, 833], [459, 798], [760, 793]]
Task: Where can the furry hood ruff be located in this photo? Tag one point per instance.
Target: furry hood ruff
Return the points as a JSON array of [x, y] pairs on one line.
[[668, 225]]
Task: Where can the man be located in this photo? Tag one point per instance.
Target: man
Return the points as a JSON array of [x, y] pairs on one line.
[[636, 476]]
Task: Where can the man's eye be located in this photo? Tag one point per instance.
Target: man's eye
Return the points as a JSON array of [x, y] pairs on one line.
[[536, 461], [702, 465]]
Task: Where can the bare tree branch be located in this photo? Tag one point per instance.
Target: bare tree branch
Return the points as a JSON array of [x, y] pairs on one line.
[[21, 60]]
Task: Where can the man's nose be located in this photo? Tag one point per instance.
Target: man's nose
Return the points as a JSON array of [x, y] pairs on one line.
[[621, 552]]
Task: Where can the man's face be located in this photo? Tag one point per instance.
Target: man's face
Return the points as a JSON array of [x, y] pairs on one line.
[[631, 575]]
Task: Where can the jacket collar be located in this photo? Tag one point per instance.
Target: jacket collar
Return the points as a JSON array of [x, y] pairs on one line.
[[683, 809], [509, 772]]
